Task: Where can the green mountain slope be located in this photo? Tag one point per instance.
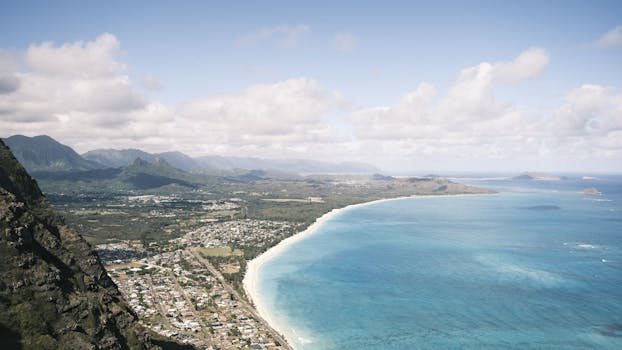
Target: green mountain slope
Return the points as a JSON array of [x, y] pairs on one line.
[[116, 158], [143, 175], [54, 292], [120, 158], [139, 175], [43, 153]]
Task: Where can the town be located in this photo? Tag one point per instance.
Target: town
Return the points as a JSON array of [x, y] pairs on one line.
[[179, 293], [179, 255]]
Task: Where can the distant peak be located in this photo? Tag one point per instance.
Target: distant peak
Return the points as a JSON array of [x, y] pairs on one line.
[[44, 137], [140, 162], [38, 137], [18, 136], [160, 161]]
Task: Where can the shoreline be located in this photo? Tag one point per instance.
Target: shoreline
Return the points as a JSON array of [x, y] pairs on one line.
[[250, 281]]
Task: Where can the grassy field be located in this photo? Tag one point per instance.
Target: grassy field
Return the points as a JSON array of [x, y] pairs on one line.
[[220, 252], [286, 200]]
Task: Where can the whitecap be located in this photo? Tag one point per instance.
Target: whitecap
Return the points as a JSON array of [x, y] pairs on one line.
[[586, 246], [582, 245]]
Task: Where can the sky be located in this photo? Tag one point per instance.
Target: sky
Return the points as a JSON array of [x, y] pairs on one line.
[[407, 86]]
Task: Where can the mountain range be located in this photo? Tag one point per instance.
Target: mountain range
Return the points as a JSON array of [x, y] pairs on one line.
[[43, 153], [119, 158], [139, 175]]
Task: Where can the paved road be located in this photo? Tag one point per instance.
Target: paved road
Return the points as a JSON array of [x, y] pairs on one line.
[[241, 301], [204, 328], [157, 301], [163, 304]]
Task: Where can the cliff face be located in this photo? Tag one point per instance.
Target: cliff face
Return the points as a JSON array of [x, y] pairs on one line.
[[54, 291]]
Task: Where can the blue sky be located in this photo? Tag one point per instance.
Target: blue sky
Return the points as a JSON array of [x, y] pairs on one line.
[[349, 64]]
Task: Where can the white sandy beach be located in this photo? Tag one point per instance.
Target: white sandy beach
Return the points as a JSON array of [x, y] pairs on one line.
[[253, 268]]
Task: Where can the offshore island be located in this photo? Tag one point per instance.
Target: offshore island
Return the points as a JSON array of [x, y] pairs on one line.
[[184, 246]]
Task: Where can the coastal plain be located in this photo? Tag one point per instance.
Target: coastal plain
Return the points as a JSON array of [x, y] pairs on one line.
[[180, 255]]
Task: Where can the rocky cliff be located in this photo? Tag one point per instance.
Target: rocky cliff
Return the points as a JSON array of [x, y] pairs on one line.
[[54, 291]]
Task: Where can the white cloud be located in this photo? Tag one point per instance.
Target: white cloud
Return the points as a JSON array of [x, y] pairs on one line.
[[413, 117], [469, 122], [9, 64], [611, 39], [79, 60], [9, 61], [345, 42], [471, 97], [469, 108], [289, 111], [97, 105], [151, 83], [528, 65], [588, 110], [285, 36], [73, 89], [9, 83], [42, 96], [71, 78]]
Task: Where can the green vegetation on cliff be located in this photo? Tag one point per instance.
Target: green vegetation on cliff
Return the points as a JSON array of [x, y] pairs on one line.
[[54, 291]]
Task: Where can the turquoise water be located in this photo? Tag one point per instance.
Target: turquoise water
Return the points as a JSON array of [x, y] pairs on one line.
[[537, 266]]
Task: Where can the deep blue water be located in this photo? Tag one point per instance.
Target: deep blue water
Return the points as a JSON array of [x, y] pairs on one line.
[[537, 266]]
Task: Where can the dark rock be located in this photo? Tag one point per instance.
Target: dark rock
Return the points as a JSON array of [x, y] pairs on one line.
[[54, 291]]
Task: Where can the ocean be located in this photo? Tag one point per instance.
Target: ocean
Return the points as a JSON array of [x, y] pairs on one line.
[[536, 266]]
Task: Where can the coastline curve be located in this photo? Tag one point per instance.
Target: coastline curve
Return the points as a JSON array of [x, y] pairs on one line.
[[254, 266]]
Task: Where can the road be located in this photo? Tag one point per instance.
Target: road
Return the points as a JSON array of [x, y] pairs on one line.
[[204, 328], [163, 304], [242, 302]]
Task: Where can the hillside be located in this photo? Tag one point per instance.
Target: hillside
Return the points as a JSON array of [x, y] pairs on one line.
[[142, 174], [139, 175], [119, 158], [54, 291], [116, 158], [43, 153]]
